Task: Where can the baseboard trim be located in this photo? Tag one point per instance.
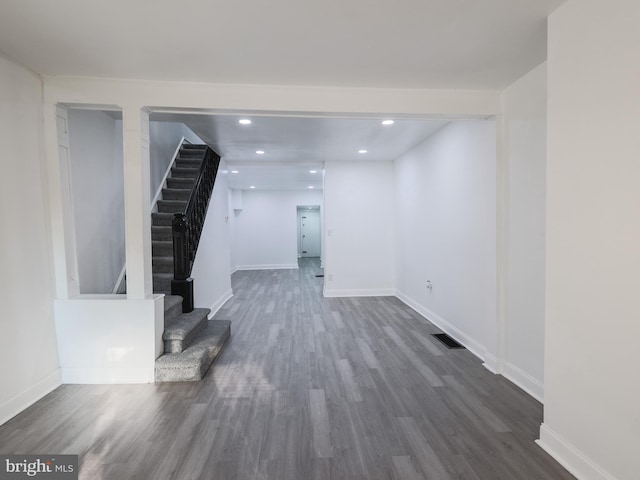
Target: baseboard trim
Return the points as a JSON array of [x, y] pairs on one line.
[[470, 344], [93, 376], [275, 266], [217, 305], [571, 458], [24, 400], [492, 364], [522, 379], [380, 292]]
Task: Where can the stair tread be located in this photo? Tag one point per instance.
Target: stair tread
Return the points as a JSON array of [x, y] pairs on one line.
[[190, 160], [193, 363], [163, 275], [185, 168], [180, 328], [161, 219], [194, 146], [171, 301], [177, 190]]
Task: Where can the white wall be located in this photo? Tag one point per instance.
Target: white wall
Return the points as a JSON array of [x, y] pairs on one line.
[[95, 145], [592, 379], [212, 265], [165, 137], [359, 228], [446, 230], [28, 355], [525, 137], [265, 233]]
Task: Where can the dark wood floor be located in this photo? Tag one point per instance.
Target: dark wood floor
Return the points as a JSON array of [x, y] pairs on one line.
[[307, 388]]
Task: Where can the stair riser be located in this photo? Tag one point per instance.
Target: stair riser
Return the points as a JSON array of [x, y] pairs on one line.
[[180, 183], [189, 153], [163, 220], [161, 284], [171, 206], [191, 173], [163, 268], [170, 368], [162, 249], [161, 234], [188, 162], [175, 194], [177, 345], [172, 308]]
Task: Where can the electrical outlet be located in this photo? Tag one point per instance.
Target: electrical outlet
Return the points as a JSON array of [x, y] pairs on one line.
[[429, 285]]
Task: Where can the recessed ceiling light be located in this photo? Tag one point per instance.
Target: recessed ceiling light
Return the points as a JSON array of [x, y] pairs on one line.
[[252, 186], [387, 122], [244, 121], [362, 151], [234, 171], [260, 152], [313, 171], [310, 186]]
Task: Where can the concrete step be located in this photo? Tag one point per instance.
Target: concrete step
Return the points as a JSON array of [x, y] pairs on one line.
[[161, 232], [181, 331], [176, 194], [172, 206], [192, 364], [184, 172]]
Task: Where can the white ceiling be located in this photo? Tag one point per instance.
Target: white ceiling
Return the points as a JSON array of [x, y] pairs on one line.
[[294, 146], [467, 44], [452, 44]]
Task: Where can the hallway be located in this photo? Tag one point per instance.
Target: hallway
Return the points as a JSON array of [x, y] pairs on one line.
[[307, 388]]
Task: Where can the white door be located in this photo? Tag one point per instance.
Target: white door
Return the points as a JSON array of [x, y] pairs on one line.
[[310, 233]]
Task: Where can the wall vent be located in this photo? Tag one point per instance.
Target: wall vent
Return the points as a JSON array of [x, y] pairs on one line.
[[447, 340]]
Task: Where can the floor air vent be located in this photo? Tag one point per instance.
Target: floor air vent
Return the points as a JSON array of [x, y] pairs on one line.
[[447, 340]]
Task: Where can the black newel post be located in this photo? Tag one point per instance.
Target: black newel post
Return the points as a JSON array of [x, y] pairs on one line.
[[181, 284]]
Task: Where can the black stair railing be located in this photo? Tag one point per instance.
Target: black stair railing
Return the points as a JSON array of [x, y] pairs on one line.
[[187, 228]]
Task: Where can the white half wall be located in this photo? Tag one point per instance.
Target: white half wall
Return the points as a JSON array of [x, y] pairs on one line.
[[265, 232], [359, 228], [97, 177], [525, 112], [446, 230], [109, 338], [592, 325], [212, 265], [29, 355]]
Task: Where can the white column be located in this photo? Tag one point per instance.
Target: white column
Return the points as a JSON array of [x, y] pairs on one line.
[[135, 124], [495, 353], [61, 200]]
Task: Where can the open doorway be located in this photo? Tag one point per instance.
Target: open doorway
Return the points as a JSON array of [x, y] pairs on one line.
[[309, 231]]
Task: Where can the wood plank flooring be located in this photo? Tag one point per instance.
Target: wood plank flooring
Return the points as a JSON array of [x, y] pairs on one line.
[[307, 388]]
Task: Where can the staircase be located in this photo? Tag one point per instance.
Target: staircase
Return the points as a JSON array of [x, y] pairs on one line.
[[191, 341]]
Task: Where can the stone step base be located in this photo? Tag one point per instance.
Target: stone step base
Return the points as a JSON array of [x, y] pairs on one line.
[[192, 364]]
